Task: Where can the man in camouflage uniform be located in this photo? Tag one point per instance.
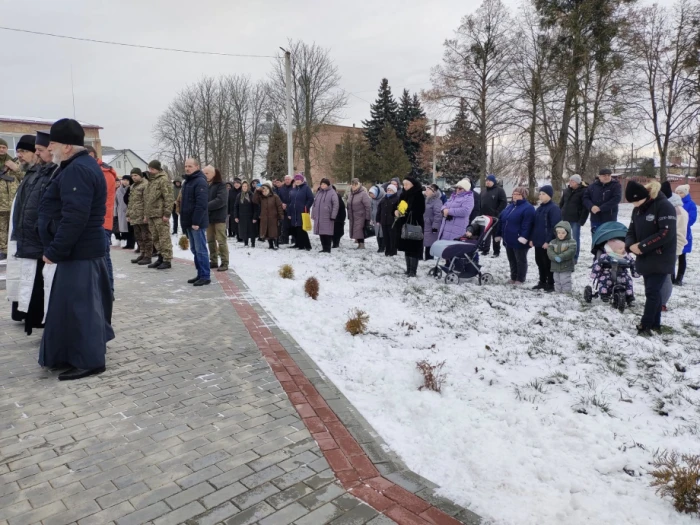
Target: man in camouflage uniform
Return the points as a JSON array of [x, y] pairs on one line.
[[135, 213], [10, 177], [159, 205]]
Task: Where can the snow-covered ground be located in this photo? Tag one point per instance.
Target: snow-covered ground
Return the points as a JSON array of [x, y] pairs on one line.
[[552, 408]]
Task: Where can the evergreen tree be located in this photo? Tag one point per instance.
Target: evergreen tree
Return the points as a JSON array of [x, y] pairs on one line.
[[365, 160], [277, 153], [383, 111], [412, 130], [461, 155], [391, 158]]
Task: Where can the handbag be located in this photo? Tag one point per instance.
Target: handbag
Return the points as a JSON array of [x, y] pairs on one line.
[[411, 232], [368, 230], [306, 221]]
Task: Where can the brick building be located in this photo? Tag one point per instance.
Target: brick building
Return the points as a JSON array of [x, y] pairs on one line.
[[328, 139], [12, 128]]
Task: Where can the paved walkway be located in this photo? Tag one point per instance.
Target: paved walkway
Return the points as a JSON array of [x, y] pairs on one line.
[[203, 416]]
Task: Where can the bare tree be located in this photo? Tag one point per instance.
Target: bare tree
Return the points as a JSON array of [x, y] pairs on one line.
[[317, 98], [474, 68]]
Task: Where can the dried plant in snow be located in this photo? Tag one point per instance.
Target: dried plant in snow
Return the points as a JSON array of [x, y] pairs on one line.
[[286, 271], [357, 324], [184, 243], [311, 287], [678, 476], [433, 376]]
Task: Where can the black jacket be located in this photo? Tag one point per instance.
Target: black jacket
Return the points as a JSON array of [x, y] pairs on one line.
[[607, 197], [493, 201], [232, 194], [385, 212], [339, 223], [218, 203], [653, 226], [476, 210], [26, 212], [194, 201], [414, 215], [246, 212], [572, 208]]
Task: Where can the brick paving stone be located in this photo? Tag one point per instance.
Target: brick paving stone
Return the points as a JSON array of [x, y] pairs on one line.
[[216, 498], [357, 516], [143, 515], [215, 515], [324, 514], [285, 516], [322, 496], [255, 495], [251, 515], [181, 515]]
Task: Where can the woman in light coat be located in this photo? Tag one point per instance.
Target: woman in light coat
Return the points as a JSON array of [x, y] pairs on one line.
[[359, 212], [457, 211], [432, 218], [681, 242], [324, 212]]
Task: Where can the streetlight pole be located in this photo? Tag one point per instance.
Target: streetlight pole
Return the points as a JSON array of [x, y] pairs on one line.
[[434, 151], [353, 153], [290, 137]]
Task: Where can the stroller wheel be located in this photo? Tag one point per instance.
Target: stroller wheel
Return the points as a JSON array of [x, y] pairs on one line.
[[452, 278], [486, 278], [588, 294], [619, 302]]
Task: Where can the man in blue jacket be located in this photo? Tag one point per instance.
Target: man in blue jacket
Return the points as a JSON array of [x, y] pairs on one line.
[[194, 218], [547, 216], [602, 199]]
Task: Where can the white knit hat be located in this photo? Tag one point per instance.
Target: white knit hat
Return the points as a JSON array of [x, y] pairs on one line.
[[465, 184], [683, 189], [390, 186]]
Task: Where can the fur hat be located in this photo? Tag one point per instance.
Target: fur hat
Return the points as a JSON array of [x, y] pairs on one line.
[[26, 142], [548, 190], [635, 192], [67, 131], [465, 184], [683, 189]]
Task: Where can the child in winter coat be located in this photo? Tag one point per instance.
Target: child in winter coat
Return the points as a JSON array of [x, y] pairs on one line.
[[562, 254], [614, 251]]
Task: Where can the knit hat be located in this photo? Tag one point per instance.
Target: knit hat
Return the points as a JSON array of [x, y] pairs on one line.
[[576, 178], [155, 164], [42, 139], [299, 176], [326, 181], [635, 192], [605, 171], [465, 184], [548, 190], [666, 189], [26, 143], [675, 199], [267, 184], [374, 191], [136, 171], [492, 178], [683, 189], [67, 131], [392, 187], [3, 142], [128, 177], [237, 180]]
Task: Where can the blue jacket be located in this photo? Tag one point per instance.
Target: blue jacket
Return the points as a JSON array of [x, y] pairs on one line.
[[546, 218], [194, 204], [301, 198], [72, 211], [516, 221], [284, 193], [692, 209], [607, 197]]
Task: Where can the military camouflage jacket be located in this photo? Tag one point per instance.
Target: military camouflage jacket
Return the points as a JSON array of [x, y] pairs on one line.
[[135, 211], [159, 196]]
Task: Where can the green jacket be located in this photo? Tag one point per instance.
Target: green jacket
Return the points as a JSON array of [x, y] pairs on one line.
[[9, 182], [135, 211], [159, 196], [565, 250]]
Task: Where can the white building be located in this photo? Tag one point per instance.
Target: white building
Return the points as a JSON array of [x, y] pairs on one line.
[[123, 160]]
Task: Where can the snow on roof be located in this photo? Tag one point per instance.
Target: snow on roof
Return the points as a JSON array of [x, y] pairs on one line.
[[46, 121]]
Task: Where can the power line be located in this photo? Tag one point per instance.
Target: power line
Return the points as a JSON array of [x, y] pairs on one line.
[[124, 44]]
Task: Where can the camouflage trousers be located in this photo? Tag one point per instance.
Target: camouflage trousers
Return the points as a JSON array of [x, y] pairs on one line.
[[144, 240], [4, 230], [216, 239], [160, 231]]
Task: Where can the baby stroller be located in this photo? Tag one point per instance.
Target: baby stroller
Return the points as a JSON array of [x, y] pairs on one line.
[[606, 232], [462, 256]]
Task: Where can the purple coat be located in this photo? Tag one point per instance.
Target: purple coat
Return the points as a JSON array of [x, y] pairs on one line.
[[432, 220], [459, 207], [359, 211], [324, 211]]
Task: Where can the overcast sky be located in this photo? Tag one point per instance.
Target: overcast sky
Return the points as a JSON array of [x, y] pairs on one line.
[[124, 90]]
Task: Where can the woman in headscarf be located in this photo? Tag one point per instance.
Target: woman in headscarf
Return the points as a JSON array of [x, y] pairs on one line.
[[271, 213], [410, 212], [432, 218], [376, 194], [359, 212], [324, 213], [386, 218]]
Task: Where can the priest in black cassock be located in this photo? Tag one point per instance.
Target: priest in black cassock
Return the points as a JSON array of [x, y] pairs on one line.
[[71, 217]]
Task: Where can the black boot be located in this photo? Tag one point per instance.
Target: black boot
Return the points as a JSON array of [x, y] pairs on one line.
[[408, 265], [413, 266]]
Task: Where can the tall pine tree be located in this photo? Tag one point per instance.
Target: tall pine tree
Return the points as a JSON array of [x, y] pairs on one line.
[[384, 111], [277, 153], [412, 129], [353, 145], [461, 154], [391, 157]]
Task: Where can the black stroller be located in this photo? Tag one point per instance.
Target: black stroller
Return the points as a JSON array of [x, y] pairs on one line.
[[462, 256]]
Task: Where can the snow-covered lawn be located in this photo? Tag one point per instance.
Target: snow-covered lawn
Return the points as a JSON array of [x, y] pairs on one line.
[[552, 408]]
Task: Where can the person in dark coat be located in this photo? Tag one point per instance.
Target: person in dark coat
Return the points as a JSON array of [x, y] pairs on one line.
[[324, 213], [432, 218], [271, 213], [602, 199], [218, 215], [177, 187], [285, 193], [194, 219], [233, 194], [547, 216], [412, 213], [515, 229], [493, 202], [70, 222], [301, 198], [651, 236], [386, 218], [573, 209], [339, 223], [246, 214]]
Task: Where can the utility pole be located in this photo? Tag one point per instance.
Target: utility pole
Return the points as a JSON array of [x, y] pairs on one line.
[[290, 137], [434, 151], [352, 173]]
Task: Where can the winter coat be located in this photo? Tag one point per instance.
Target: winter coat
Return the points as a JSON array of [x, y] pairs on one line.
[[136, 208], [111, 178], [176, 190], [72, 211], [26, 212], [159, 196], [301, 198], [653, 226], [432, 219], [374, 210], [218, 203], [692, 209], [246, 211], [607, 197], [516, 222], [285, 193], [121, 205], [359, 212], [414, 215], [565, 250], [233, 194], [493, 201], [339, 223], [325, 211], [8, 188], [385, 213], [271, 213], [681, 229], [546, 218], [194, 201], [459, 208], [572, 208], [476, 210]]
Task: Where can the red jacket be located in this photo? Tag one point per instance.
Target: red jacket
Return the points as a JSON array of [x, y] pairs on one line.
[[111, 178]]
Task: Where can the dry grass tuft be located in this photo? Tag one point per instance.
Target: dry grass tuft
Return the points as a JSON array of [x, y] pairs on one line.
[[311, 287], [433, 376], [678, 476], [286, 271], [184, 243], [357, 324]]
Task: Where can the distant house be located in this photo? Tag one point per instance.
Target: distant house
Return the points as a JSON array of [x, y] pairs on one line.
[[12, 128], [123, 160]]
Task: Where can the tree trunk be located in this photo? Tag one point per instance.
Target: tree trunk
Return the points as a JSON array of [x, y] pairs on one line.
[[697, 160], [560, 153], [532, 155]]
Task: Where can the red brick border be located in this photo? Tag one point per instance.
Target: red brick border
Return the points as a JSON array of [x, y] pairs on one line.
[[348, 460]]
